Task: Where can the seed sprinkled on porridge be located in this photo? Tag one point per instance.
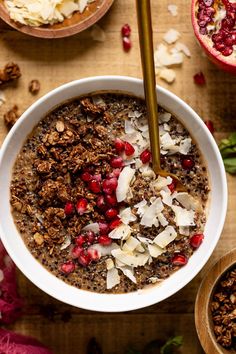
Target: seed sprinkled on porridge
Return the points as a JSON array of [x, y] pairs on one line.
[[88, 204]]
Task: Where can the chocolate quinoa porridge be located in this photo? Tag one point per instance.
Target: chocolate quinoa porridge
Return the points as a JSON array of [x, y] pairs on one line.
[[90, 208]]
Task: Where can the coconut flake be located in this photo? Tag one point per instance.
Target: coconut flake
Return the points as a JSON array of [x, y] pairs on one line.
[[129, 129], [131, 244], [92, 227], [173, 9], [183, 217], [185, 146], [167, 198], [168, 75], [162, 219], [109, 264], [142, 207], [127, 216], [155, 250], [121, 232], [124, 180], [171, 36], [129, 273], [113, 278], [66, 243], [161, 182], [186, 200], [181, 47], [104, 250], [98, 34], [149, 217], [164, 117], [165, 237], [184, 230], [131, 259]]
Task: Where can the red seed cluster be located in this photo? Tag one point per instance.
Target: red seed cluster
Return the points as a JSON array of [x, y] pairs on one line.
[[225, 38]]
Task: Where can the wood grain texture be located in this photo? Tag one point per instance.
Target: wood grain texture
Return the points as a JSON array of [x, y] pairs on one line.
[[56, 62], [76, 23], [205, 293]]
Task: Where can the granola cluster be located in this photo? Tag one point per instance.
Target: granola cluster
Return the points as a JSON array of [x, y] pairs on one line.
[[223, 309]]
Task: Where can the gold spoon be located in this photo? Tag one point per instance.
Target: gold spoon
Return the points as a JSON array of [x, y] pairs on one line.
[[147, 57]]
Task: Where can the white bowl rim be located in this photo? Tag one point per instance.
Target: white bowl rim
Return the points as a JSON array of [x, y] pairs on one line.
[[116, 302]]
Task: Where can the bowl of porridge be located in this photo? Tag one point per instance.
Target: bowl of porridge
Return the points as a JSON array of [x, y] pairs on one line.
[[85, 217]]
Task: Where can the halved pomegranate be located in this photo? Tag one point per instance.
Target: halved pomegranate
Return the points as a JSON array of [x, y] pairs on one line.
[[214, 23]]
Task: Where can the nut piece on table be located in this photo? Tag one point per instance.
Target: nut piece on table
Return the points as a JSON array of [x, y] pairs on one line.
[[11, 116], [34, 87], [10, 72]]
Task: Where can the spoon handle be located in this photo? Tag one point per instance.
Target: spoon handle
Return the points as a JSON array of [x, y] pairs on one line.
[[147, 57]]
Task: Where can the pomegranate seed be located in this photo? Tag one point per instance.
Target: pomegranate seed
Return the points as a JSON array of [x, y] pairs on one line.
[[114, 173], [187, 164], [229, 41], [109, 185], [84, 259], [179, 260], [98, 177], [126, 30], [172, 186], [111, 199], [218, 37], [227, 23], [94, 186], [111, 213], [196, 240], [116, 162], [199, 79], [93, 254], [76, 251], [69, 208], [129, 149], [210, 126], [126, 44], [145, 156], [119, 145], [101, 203], [103, 227], [104, 240], [114, 224], [227, 51], [90, 236], [86, 177], [81, 206], [219, 46], [80, 240], [68, 267]]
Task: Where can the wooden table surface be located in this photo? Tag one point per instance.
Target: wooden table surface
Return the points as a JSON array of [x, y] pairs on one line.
[[54, 62]]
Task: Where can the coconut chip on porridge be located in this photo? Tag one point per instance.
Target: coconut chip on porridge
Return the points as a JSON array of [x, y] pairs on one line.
[[88, 204]]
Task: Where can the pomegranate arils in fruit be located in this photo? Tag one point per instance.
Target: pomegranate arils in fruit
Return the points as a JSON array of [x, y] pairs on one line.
[[104, 240], [179, 260], [76, 251], [81, 206], [210, 126], [196, 240], [111, 213], [111, 199], [114, 224], [68, 267], [86, 177], [129, 149], [116, 162], [103, 227], [227, 51], [208, 2], [119, 145], [109, 185], [145, 156], [187, 163], [126, 30], [69, 208], [126, 44], [199, 79], [93, 254], [84, 259], [94, 186], [80, 240]]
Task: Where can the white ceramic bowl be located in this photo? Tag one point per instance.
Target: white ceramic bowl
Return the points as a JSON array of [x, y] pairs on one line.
[[110, 302]]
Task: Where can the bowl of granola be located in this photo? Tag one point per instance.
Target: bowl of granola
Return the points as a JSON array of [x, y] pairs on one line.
[[85, 217]]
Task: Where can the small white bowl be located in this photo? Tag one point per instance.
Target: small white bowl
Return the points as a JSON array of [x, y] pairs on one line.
[[111, 302]]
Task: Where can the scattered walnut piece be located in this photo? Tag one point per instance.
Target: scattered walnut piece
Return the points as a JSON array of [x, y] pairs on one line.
[[10, 72], [34, 87], [38, 238], [11, 116]]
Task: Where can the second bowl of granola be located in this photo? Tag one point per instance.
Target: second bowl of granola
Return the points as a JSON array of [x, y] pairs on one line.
[[86, 219]]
